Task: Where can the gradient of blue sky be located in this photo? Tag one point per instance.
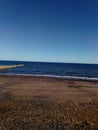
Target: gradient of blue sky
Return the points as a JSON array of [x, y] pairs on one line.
[[49, 30]]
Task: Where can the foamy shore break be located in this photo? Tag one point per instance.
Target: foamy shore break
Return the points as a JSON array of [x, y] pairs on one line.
[[54, 77], [10, 66]]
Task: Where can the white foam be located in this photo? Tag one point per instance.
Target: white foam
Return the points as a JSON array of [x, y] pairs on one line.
[[57, 76], [69, 77]]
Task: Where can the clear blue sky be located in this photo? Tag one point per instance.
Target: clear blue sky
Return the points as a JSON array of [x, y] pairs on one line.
[[49, 30]]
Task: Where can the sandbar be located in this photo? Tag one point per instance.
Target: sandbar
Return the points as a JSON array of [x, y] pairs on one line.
[[10, 66]]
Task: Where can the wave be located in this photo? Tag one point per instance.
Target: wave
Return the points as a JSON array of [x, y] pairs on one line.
[[57, 76], [68, 77]]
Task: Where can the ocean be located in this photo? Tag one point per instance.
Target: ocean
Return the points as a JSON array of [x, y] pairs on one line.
[[61, 70]]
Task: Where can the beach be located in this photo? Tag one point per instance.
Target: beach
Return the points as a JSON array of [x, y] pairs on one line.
[[47, 103]]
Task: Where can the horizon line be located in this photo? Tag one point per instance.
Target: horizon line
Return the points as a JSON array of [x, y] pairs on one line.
[[51, 62]]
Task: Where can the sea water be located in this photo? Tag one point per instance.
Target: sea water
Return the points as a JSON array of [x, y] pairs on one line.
[[61, 70]]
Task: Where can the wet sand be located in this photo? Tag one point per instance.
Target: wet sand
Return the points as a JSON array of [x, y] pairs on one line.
[[42, 103]]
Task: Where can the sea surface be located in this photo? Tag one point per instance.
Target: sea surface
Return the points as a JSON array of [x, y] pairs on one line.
[[62, 70]]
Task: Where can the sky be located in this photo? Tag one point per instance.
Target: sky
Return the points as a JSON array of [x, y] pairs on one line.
[[49, 30]]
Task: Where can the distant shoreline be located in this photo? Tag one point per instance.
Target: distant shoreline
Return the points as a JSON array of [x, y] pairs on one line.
[[4, 67]]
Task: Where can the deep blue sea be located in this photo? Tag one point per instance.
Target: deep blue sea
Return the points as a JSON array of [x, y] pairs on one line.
[[67, 70]]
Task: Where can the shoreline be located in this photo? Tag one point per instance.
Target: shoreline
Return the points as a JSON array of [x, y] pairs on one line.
[[75, 78]]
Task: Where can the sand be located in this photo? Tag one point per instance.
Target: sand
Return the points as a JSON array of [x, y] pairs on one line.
[[42, 103], [10, 66]]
